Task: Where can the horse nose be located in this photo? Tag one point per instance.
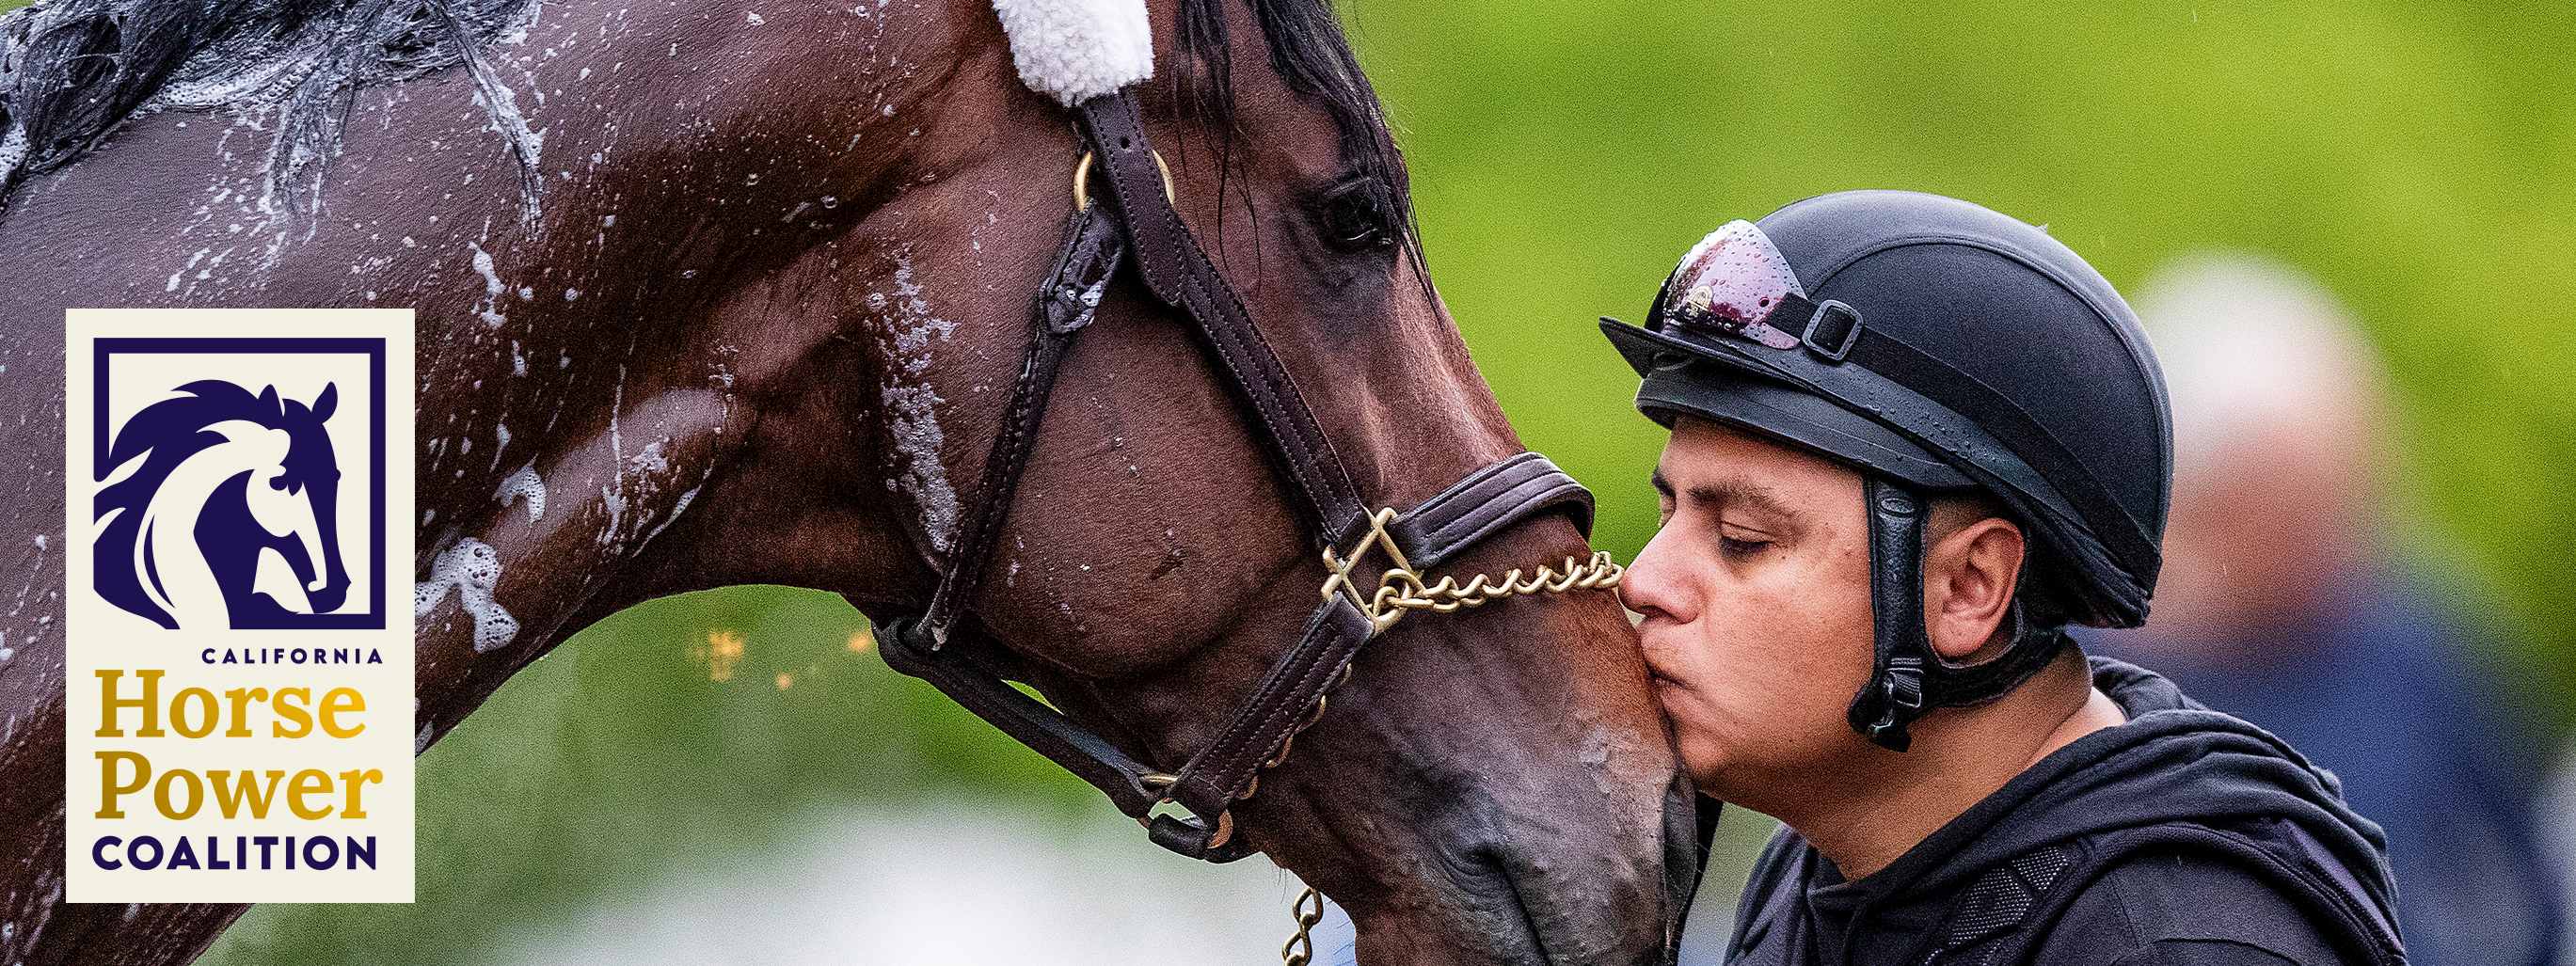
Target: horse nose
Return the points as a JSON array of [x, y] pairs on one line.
[[1593, 893]]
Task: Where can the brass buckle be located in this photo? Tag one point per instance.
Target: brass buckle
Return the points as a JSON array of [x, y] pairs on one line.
[[1383, 605], [1082, 181]]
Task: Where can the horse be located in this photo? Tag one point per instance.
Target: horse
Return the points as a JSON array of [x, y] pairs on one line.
[[721, 295], [176, 488]]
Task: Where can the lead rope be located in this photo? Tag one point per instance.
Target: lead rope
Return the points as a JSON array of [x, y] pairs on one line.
[[1300, 949]]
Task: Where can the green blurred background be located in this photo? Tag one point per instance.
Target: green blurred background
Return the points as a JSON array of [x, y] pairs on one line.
[[2416, 157]]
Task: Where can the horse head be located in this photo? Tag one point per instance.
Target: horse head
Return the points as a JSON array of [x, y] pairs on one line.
[[189, 466], [1493, 785]]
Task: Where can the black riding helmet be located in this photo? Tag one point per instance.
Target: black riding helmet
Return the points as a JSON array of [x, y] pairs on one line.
[[1935, 346]]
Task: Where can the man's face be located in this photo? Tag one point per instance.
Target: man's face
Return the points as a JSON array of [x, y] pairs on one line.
[[1757, 616]]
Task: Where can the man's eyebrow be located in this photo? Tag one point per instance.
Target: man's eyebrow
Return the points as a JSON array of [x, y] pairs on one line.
[[1728, 493], [1759, 498]]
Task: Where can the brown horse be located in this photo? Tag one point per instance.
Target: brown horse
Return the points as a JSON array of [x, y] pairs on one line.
[[720, 295]]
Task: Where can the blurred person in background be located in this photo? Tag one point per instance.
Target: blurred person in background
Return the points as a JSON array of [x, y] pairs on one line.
[[2558, 828], [2284, 600]]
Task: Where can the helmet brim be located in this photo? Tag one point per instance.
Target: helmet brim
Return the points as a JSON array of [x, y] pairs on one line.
[[1687, 378]]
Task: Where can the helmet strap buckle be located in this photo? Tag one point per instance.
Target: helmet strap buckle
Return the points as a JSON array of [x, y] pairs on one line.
[[1901, 694], [1907, 678], [1832, 330]]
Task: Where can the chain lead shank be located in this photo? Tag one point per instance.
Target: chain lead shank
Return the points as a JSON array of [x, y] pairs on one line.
[[1401, 588]]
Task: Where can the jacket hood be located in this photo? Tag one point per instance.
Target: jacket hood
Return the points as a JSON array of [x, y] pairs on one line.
[[2174, 761]]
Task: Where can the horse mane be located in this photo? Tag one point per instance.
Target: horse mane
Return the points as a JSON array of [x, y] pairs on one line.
[[1314, 57], [72, 70]]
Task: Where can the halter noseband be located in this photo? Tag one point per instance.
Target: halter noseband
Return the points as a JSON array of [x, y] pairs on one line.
[[1139, 219]]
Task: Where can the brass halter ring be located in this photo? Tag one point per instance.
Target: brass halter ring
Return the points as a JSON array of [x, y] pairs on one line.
[[1082, 181]]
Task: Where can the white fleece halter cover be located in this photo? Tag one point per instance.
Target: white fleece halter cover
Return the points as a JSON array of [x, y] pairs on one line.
[[1074, 50]]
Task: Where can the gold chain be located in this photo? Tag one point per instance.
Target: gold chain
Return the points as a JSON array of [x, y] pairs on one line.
[[1401, 588], [1300, 949]]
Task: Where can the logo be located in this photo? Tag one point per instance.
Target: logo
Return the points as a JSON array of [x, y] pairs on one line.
[[239, 720], [221, 506]]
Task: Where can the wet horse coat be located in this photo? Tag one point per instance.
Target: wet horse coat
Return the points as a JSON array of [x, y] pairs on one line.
[[716, 296]]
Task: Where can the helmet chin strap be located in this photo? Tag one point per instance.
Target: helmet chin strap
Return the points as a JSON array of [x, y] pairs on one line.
[[1907, 678], [1894, 696]]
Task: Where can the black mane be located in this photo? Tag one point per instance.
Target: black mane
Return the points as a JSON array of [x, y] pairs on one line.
[[71, 70], [1310, 52]]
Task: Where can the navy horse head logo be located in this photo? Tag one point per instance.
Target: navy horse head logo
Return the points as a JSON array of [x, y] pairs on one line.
[[206, 494]]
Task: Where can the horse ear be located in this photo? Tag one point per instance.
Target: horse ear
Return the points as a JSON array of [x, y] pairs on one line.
[[326, 402], [268, 398]]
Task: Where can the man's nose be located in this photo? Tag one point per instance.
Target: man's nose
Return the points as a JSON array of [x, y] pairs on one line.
[[1650, 587]]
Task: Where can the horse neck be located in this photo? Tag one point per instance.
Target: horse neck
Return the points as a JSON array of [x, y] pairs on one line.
[[740, 204]]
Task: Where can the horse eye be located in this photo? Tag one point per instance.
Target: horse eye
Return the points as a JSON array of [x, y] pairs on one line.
[[1356, 213]]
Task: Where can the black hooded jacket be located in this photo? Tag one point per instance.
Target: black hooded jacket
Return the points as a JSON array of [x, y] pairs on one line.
[[2182, 837]]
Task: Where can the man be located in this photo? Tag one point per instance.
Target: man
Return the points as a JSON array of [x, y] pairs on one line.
[[1913, 439]]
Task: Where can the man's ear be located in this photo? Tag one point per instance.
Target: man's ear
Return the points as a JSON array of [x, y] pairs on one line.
[[1969, 574]]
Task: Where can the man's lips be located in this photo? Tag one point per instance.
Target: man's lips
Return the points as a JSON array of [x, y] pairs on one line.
[[1654, 666], [1663, 682]]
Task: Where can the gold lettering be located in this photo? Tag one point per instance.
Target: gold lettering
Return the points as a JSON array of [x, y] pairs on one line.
[[311, 781], [230, 798], [150, 702], [108, 789], [291, 712], [353, 779], [333, 704], [179, 713], [241, 699], [161, 794]]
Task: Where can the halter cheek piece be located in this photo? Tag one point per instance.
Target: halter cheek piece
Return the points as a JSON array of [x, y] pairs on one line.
[[1138, 220]]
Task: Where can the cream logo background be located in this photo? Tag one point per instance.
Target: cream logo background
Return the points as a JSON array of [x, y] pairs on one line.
[[240, 681]]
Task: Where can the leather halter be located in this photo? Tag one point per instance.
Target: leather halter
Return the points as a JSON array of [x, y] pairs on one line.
[[1138, 219]]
